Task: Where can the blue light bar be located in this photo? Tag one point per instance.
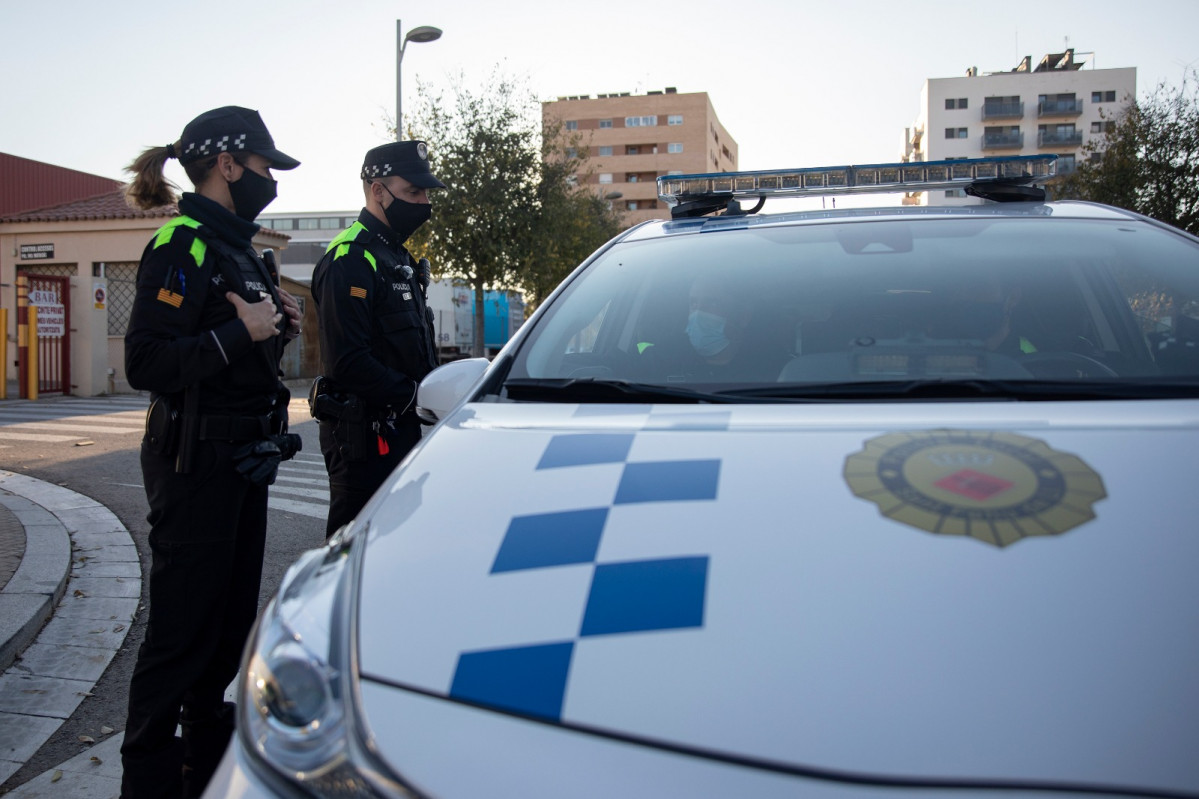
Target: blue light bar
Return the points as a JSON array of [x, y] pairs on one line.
[[866, 179]]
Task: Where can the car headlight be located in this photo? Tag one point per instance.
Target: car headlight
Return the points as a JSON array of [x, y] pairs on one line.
[[296, 710]]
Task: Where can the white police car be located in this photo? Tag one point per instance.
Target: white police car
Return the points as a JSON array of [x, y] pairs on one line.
[[894, 502]]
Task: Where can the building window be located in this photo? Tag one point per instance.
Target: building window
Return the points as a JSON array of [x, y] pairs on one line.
[[283, 224], [674, 172], [1103, 126], [1066, 163], [308, 224], [955, 133], [605, 123], [572, 124], [674, 147], [674, 119], [955, 192], [605, 177], [605, 149], [572, 152], [951, 103], [1103, 97], [330, 222], [631, 205], [641, 122], [632, 149], [631, 177]]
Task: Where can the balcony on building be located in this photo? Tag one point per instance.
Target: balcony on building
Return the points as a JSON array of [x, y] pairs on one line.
[[1059, 108], [1003, 141], [1003, 110], [1059, 138]]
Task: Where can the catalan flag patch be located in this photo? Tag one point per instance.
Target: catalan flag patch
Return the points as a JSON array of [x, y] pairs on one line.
[[360, 293], [170, 298]]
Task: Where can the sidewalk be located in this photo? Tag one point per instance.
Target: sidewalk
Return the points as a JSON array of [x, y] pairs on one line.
[[70, 583]]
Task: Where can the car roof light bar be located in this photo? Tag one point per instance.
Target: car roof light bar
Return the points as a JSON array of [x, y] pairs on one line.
[[694, 195]]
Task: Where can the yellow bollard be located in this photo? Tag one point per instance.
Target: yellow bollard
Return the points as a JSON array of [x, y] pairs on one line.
[[33, 345]]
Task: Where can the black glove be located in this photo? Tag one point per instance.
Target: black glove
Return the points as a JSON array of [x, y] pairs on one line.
[[258, 461], [289, 444]]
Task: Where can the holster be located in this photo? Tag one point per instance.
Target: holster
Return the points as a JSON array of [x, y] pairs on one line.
[[163, 421], [352, 431]]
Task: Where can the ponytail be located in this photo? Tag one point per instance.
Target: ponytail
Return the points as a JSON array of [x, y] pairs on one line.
[[149, 187]]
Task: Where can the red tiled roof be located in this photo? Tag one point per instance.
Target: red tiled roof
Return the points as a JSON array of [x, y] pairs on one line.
[[110, 205], [26, 184]]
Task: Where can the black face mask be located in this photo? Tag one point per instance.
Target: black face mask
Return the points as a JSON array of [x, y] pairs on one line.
[[251, 193], [404, 217]]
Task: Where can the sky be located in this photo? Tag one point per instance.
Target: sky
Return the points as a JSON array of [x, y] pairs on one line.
[[796, 83]]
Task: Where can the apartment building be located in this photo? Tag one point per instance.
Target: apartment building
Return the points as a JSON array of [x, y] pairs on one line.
[[1056, 107], [633, 139]]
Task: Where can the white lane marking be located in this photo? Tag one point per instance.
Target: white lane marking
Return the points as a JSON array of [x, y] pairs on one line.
[[65, 428], [35, 437], [310, 493], [302, 508], [308, 481]]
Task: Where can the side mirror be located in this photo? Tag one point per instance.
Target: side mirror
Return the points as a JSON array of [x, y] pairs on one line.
[[446, 386]]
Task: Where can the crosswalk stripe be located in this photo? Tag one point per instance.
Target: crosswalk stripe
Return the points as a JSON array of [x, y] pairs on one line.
[[311, 493], [83, 428], [34, 437], [302, 508], [301, 480], [23, 414]]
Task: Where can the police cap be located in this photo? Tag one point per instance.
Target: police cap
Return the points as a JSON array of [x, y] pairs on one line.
[[408, 159], [230, 129]]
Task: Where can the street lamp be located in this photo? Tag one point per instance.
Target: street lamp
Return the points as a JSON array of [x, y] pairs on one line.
[[425, 33]]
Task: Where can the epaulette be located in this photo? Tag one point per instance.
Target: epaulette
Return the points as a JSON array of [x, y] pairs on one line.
[[165, 233], [353, 236]]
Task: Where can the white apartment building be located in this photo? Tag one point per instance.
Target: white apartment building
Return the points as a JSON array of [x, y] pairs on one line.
[[1055, 108]]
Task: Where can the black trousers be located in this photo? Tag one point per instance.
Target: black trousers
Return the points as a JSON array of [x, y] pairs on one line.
[[353, 481], [207, 536]]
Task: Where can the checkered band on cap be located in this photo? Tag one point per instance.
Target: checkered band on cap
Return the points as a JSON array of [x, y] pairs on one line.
[[200, 149], [376, 171]]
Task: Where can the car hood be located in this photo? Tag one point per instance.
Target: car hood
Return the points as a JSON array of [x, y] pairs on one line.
[[968, 590]]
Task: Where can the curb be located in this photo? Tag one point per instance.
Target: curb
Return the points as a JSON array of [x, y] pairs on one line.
[[40, 581], [81, 572]]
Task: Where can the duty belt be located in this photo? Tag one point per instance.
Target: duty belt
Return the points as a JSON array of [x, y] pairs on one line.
[[234, 428]]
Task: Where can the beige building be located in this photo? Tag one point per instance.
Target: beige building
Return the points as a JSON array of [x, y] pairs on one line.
[[1054, 107], [632, 140], [81, 258]]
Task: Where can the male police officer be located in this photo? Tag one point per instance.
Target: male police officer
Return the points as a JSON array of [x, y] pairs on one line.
[[376, 331]]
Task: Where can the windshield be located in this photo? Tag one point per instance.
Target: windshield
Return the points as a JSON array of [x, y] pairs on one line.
[[778, 309]]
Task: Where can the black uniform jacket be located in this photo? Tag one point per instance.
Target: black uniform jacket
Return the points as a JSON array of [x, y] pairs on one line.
[[183, 330], [376, 332]]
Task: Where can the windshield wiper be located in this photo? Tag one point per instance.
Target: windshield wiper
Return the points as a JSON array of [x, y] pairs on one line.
[[591, 390], [982, 390]]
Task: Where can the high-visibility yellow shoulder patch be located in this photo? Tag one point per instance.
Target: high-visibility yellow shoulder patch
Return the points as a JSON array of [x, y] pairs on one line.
[[170, 298], [356, 291]]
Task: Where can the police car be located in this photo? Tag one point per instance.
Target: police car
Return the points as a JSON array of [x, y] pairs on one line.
[[888, 502]]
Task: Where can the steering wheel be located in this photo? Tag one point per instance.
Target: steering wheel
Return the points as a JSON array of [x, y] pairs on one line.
[[1089, 366]]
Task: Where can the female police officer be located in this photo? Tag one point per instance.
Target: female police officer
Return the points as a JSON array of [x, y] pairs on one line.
[[205, 336]]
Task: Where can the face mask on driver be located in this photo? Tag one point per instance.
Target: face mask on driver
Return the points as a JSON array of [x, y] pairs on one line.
[[706, 332], [251, 193], [404, 217]]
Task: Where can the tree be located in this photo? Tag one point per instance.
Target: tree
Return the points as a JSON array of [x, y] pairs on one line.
[[1148, 159], [511, 217], [572, 219]]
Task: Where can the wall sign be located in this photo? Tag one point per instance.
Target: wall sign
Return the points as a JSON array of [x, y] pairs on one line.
[[37, 252]]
